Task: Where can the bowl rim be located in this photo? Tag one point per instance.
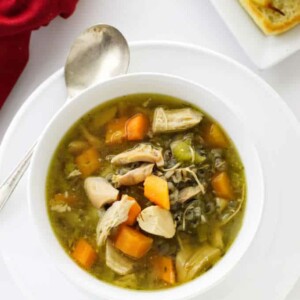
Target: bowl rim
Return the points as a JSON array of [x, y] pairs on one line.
[[82, 278]]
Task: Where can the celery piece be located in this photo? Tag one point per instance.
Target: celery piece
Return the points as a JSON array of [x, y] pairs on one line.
[[183, 152]]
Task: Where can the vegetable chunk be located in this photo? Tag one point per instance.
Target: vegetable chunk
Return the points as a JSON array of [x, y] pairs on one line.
[[133, 212], [132, 242], [184, 152], [164, 269], [116, 131], [88, 162], [192, 261], [84, 254], [137, 127], [156, 190], [214, 137], [222, 186]]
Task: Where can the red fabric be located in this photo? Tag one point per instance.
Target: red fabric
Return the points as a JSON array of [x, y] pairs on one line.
[[17, 19]]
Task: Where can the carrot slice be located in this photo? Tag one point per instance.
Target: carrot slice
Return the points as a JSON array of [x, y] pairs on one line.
[[116, 131], [215, 137], [84, 254], [137, 127], [133, 212], [164, 269], [132, 242], [222, 186], [88, 162], [157, 191]]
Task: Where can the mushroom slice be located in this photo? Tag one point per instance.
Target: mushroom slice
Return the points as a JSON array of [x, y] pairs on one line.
[[100, 191], [114, 216], [188, 192], [157, 221], [175, 119], [143, 152], [116, 261], [134, 176]]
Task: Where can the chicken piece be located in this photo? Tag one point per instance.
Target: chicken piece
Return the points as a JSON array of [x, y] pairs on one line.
[[143, 152], [157, 221], [175, 119], [100, 191], [114, 216], [188, 192], [134, 176], [116, 261]]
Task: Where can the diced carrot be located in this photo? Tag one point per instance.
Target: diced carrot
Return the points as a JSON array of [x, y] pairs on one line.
[[132, 242], [116, 131], [88, 162], [84, 254], [133, 212], [65, 198], [137, 127], [157, 191], [215, 137], [222, 186], [164, 269]]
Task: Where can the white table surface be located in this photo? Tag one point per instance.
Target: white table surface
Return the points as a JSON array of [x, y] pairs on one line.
[[190, 21]]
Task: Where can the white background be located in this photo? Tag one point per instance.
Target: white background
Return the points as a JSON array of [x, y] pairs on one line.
[[191, 21]]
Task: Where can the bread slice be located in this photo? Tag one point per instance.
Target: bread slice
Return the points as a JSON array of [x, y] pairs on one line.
[[271, 21]]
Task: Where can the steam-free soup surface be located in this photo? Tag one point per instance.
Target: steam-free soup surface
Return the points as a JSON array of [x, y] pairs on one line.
[[146, 192]]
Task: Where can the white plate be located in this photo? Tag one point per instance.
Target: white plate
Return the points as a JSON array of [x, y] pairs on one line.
[[265, 51], [272, 264]]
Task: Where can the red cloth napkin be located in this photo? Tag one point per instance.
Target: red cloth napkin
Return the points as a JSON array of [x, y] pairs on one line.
[[17, 19]]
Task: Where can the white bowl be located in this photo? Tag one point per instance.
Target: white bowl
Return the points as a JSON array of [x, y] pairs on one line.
[[125, 85]]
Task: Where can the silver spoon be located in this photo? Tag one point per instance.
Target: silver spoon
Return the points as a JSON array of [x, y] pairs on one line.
[[99, 53]]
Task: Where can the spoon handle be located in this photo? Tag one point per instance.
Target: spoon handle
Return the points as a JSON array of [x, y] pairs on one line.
[[10, 183]]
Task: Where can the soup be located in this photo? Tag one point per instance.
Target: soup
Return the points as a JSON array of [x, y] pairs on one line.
[[146, 192]]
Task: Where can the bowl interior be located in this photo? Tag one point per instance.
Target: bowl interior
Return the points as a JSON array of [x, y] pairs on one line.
[[145, 83]]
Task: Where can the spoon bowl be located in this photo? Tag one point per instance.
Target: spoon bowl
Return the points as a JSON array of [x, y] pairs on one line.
[[100, 52], [97, 54]]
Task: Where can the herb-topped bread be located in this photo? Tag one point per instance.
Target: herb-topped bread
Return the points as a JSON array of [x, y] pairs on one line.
[[273, 16]]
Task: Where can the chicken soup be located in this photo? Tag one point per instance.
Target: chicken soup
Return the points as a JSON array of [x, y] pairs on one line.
[[146, 192]]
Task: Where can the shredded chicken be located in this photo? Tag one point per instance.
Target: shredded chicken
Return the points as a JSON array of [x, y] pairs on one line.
[[188, 192], [182, 175], [134, 176], [175, 119], [114, 216], [141, 153]]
